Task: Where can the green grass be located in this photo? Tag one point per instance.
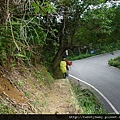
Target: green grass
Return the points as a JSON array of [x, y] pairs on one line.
[[26, 93], [88, 101], [81, 56], [115, 62], [104, 49], [5, 109]]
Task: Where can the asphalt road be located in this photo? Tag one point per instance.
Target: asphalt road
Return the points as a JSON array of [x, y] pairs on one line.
[[102, 78]]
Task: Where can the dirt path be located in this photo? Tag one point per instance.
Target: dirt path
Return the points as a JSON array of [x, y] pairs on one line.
[[58, 100], [8, 91], [61, 99]]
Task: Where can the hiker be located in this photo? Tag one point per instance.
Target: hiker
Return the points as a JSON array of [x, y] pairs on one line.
[[64, 66]]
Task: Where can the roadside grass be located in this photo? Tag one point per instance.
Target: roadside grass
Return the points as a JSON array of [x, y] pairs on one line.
[[81, 56], [4, 108], [86, 55], [115, 62], [102, 50], [88, 101]]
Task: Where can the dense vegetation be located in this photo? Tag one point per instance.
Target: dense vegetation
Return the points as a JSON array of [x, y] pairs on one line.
[[36, 32], [33, 31], [115, 62], [88, 101]]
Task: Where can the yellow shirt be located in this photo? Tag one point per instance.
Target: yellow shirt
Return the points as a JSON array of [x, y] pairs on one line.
[[63, 66]]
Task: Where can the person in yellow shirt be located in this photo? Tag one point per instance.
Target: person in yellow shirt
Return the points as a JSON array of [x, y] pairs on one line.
[[64, 66]]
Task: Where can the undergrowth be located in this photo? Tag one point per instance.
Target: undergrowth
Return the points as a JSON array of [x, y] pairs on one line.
[[103, 50], [88, 101], [115, 62]]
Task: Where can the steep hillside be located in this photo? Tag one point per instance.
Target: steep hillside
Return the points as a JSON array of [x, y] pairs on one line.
[[31, 89]]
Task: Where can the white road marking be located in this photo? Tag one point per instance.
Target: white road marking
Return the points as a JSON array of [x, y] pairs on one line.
[[111, 105]]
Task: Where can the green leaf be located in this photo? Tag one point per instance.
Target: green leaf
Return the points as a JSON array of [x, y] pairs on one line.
[[36, 7], [15, 23], [22, 56]]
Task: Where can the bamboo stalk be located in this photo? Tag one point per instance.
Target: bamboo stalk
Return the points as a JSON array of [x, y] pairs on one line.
[[8, 16]]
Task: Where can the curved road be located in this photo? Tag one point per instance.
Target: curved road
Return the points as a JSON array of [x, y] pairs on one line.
[[96, 73]]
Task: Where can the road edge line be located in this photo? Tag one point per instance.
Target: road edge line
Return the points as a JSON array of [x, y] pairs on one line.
[[111, 105]]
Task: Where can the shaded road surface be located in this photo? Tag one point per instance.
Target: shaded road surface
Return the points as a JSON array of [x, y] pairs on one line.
[[106, 79]]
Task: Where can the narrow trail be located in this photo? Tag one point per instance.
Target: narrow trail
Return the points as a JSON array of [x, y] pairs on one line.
[[61, 99]]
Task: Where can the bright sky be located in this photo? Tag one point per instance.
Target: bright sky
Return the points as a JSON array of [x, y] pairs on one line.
[[109, 4]]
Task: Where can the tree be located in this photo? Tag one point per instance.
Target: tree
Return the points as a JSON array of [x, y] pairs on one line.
[[96, 25], [116, 23], [33, 30], [71, 13], [21, 31]]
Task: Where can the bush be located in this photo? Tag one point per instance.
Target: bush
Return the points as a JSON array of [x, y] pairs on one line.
[[88, 101], [81, 56], [115, 62]]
